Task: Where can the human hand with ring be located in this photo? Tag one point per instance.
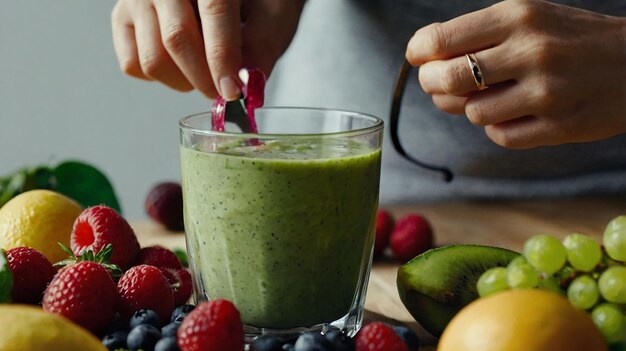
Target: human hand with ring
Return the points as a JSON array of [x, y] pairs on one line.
[[533, 73]]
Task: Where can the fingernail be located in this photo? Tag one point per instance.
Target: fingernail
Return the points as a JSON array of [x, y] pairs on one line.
[[229, 88]]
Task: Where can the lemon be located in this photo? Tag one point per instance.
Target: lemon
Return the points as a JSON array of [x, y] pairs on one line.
[[29, 328], [38, 219], [521, 320]]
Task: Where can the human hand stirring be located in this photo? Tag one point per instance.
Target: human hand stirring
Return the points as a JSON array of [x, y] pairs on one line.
[[187, 47]]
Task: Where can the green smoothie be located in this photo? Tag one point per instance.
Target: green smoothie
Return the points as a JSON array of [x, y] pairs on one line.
[[282, 228]]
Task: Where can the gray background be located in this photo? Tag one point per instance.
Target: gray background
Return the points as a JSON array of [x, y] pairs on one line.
[[62, 96]]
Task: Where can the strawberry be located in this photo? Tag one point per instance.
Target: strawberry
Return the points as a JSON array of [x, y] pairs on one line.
[[384, 226], [378, 336], [212, 326], [160, 257], [146, 287], [83, 293], [180, 280], [411, 236], [164, 204], [31, 272], [100, 225]]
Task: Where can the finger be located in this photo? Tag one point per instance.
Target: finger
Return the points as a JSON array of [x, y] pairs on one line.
[[222, 41], [465, 34], [124, 42], [524, 133], [498, 104], [451, 104], [455, 76], [154, 60], [183, 41]]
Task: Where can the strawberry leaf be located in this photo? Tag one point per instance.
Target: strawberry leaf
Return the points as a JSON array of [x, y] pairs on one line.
[[67, 251], [102, 257], [66, 262], [105, 254]]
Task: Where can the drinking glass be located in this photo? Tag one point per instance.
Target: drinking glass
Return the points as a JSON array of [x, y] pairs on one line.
[[281, 223]]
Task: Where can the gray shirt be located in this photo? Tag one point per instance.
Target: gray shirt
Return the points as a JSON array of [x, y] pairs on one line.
[[346, 55]]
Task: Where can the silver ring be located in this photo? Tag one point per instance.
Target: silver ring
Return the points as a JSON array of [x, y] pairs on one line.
[[477, 73]]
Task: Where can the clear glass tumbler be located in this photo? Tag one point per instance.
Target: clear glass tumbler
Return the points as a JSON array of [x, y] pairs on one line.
[[281, 223]]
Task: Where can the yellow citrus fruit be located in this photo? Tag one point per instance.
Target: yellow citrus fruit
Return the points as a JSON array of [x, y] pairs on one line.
[[521, 320], [38, 219], [29, 328]]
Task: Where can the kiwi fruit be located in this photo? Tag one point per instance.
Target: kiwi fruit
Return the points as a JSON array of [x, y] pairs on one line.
[[437, 284]]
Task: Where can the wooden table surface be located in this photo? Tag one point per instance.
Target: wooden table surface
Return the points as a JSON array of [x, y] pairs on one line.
[[503, 224]]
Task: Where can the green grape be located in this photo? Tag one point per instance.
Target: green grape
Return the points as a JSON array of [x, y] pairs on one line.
[[610, 320], [518, 260], [583, 253], [522, 275], [583, 292], [612, 284], [545, 253], [615, 239], [492, 281]]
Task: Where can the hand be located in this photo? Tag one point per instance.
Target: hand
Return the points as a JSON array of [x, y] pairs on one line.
[[556, 74], [186, 47]]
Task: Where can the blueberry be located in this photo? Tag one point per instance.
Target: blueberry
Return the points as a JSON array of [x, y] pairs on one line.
[[267, 343], [144, 337], [313, 342], [181, 311], [144, 316], [116, 340], [410, 338], [166, 344], [340, 341], [170, 330]]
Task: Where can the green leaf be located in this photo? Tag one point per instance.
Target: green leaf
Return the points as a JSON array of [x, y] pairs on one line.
[[115, 270], [182, 256], [39, 177], [6, 279], [85, 184], [105, 254], [102, 257], [66, 250], [13, 186], [618, 347]]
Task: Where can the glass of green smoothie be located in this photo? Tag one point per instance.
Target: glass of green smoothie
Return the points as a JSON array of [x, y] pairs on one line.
[[281, 223]]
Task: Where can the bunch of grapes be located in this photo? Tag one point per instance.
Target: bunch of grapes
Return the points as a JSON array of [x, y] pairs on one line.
[[592, 277]]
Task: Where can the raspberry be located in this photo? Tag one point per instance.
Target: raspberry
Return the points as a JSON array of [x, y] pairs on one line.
[[83, 293], [164, 204], [100, 225], [160, 257], [213, 325], [180, 280], [384, 226], [411, 236], [31, 272], [378, 336], [146, 287]]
